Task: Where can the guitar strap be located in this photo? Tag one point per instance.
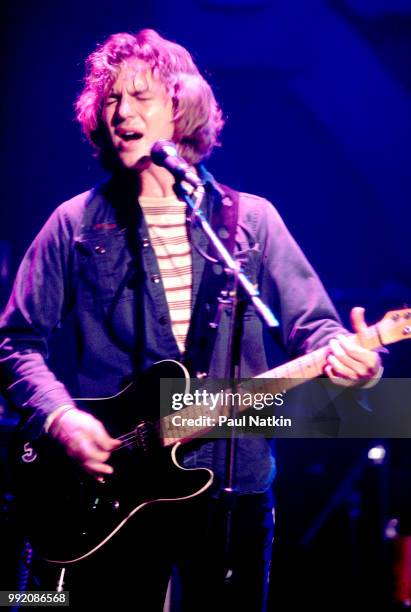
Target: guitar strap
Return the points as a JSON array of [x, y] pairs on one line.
[[204, 322]]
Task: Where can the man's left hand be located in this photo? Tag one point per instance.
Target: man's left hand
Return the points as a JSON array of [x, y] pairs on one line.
[[349, 363]]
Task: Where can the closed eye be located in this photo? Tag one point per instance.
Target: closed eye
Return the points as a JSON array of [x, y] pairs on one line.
[[112, 98], [141, 96]]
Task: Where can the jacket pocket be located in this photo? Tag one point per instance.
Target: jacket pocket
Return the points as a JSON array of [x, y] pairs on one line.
[[104, 270]]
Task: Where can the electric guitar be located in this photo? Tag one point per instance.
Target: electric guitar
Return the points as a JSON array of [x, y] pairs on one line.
[[68, 515]]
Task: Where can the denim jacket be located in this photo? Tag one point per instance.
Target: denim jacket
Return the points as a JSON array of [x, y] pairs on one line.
[[93, 264]]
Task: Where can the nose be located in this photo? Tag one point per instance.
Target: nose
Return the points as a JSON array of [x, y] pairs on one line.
[[125, 108]]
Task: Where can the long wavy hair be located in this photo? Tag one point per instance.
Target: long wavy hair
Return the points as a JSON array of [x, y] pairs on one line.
[[197, 116]]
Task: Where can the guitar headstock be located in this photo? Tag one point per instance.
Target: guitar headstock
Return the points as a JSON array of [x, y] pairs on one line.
[[395, 326]]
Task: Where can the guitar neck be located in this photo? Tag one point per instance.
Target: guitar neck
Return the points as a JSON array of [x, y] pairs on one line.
[[278, 380], [311, 365]]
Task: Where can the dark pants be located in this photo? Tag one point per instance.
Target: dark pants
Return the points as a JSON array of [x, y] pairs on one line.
[[131, 572]]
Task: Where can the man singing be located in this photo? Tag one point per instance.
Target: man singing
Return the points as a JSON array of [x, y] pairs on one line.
[[119, 261]]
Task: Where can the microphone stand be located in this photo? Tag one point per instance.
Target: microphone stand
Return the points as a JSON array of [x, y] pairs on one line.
[[241, 284], [233, 367]]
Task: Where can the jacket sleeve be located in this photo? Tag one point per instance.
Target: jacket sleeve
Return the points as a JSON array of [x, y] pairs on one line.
[[308, 317], [38, 301]]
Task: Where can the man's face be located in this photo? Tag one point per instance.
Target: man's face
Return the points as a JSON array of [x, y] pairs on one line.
[[137, 112]]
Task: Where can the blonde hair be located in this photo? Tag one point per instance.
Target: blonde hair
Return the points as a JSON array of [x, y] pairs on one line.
[[197, 117]]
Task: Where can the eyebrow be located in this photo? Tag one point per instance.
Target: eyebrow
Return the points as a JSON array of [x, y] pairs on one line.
[[137, 90]]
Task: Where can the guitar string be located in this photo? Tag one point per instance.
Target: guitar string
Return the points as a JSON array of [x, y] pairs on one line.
[[128, 438], [131, 435], [125, 444]]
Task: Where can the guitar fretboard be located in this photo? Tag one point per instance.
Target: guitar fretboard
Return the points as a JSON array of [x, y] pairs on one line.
[[278, 380]]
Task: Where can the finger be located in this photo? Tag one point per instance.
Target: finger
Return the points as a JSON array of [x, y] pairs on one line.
[[369, 359], [357, 319], [96, 467], [340, 369], [83, 449], [338, 351], [104, 440], [93, 452], [99, 455], [338, 380], [115, 443]]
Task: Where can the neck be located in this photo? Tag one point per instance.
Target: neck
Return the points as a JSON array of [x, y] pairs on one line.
[[156, 182], [152, 181]]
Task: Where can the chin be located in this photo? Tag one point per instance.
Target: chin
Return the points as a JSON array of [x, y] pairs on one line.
[[135, 162]]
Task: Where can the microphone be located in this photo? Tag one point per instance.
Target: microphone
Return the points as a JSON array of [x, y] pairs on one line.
[[164, 154]]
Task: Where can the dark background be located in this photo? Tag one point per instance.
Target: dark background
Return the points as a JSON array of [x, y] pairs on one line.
[[317, 97]]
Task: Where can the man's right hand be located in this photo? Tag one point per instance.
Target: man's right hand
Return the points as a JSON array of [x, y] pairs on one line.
[[85, 439]]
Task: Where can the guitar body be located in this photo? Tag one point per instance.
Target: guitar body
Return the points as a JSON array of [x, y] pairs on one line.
[[68, 515]]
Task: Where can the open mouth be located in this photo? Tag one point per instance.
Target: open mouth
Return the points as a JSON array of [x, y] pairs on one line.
[[127, 136]]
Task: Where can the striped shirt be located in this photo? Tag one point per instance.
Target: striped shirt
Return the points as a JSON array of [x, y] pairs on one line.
[[166, 221]]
